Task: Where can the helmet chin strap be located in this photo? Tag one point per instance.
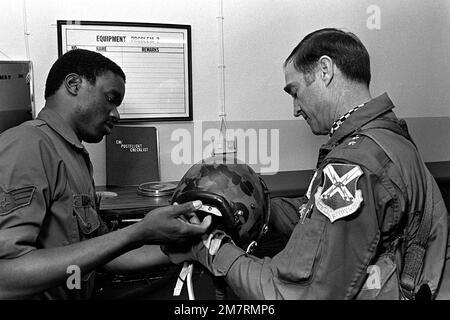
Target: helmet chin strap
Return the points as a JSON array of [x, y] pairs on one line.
[[212, 242], [185, 275], [251, 246], [190, 287]]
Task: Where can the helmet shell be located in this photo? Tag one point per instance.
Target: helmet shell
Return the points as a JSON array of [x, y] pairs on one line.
[[234, 188]]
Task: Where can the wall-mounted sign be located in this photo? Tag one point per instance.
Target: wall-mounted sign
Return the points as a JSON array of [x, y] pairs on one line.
[[156, 59]]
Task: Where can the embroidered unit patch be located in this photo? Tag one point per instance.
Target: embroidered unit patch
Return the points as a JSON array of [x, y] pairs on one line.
[[338, 197], [14, 199]]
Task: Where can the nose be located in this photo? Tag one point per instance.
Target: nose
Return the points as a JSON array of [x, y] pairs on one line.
[[114, 114], [297, 109]]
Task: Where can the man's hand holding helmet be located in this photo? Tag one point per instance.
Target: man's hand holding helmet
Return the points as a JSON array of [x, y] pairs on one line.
[[175, 223], [203, 251]]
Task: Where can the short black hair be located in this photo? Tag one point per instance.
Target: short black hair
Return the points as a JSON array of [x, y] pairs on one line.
[[88, 64], [345, 48]]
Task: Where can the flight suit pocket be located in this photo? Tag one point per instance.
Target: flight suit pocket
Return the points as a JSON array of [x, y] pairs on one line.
[[87, 217], [296, 262], [382, 281]]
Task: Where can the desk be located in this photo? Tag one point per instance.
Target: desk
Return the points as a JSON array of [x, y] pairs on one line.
[[128, 204]]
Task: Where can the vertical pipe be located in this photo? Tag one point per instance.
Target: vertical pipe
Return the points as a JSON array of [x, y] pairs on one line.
[[26, 33], [221, 61], [30, 75]]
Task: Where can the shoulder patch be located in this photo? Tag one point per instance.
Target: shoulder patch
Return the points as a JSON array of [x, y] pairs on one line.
[[15, 199], [338, 197]]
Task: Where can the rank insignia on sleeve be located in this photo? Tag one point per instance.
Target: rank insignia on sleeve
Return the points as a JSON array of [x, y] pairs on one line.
[[338, 197], [15, 199]]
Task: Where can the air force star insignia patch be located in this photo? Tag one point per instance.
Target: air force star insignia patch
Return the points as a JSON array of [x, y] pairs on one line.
[[338, 197]]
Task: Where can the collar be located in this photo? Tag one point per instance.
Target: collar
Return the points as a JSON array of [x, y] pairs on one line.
[[341, 120], [372, 110], [57, 123]]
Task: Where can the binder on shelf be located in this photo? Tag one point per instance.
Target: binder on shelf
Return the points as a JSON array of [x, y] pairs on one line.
[[132, 155]]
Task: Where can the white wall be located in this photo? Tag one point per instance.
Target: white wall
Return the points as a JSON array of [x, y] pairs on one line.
[[409, 53], [409, 58]]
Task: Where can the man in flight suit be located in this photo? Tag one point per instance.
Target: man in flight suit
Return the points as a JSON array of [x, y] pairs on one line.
[[49, 226], [373, 224]]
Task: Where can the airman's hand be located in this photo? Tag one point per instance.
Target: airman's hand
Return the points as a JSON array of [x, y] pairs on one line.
[[175, 223]]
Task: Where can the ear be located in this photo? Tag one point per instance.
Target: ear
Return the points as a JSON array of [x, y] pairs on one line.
[[326, 69], [72, 83]]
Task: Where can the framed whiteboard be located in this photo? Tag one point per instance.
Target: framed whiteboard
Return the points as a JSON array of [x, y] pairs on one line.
[[156, 60]]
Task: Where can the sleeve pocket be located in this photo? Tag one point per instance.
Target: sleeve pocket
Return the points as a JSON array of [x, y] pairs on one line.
[[295, 263], [88, 220]]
